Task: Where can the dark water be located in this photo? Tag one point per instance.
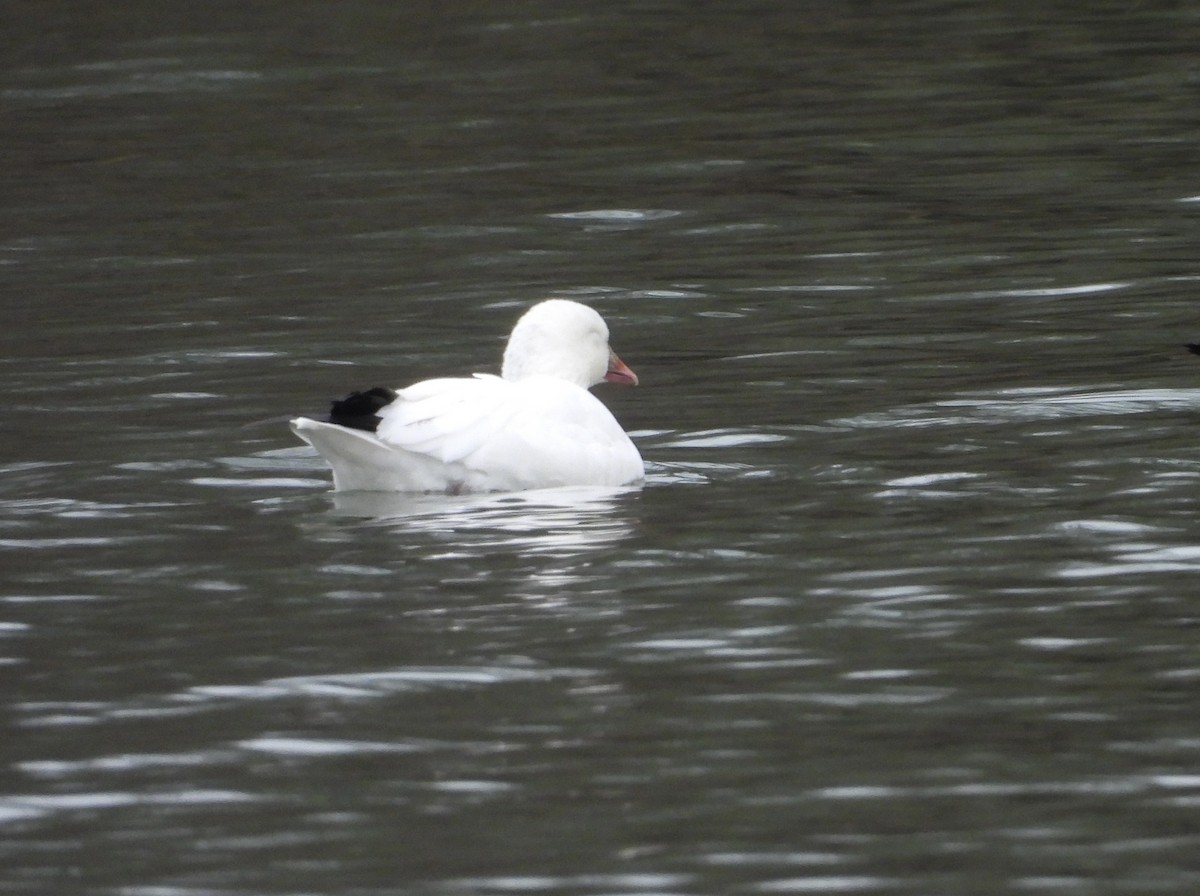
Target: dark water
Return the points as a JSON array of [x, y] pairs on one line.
[[908, 603]]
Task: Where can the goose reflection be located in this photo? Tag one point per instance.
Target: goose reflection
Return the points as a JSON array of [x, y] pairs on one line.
[[556, 521]]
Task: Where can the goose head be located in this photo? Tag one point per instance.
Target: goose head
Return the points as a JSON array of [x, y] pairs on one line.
[[565, 340]]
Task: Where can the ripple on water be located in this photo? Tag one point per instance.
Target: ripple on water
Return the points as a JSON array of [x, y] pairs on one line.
[[76, 523], [138, 83], [725, 438], [124, 763], [311, 747], [618, 215], [1137, 560], [258, 482], [659, 883], [33, 806], [340, 686], [1029, 404], [827, 884]]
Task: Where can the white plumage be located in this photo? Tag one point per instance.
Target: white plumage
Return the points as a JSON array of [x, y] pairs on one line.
[[534, 426]]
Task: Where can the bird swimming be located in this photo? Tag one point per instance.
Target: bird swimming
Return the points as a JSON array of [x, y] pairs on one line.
[[536, 425]]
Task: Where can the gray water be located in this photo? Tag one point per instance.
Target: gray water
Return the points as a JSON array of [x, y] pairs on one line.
[[908, 603]]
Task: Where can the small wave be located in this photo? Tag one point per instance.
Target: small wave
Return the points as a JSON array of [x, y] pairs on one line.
[[1028, 405], [618, 215], [725, 438]]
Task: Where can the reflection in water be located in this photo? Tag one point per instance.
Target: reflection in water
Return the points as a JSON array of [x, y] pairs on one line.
[[556, 522]]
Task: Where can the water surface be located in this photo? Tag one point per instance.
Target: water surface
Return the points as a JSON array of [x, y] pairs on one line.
[[907, 602]]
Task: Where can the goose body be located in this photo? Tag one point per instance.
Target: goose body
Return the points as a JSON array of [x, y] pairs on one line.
[[534, 426]]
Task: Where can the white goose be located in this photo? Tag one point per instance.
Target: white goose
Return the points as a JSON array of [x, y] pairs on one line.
[[534, 426]]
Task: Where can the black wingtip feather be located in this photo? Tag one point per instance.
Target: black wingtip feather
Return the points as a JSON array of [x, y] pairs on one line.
[[1193, 347], [360, 410]]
